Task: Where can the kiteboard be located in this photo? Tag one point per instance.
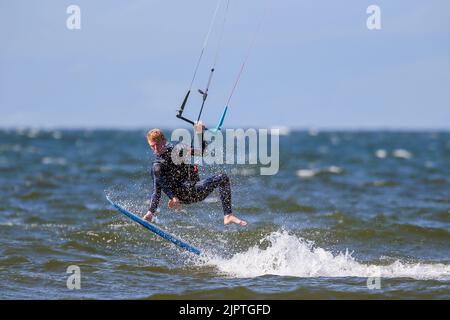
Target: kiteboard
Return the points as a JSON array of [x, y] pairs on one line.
[[180, 243]]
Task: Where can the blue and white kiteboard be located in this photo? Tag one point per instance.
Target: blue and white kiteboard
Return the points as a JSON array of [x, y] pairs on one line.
[[155, 229]]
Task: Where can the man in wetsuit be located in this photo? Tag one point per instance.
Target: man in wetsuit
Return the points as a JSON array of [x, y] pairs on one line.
[[180, 182]]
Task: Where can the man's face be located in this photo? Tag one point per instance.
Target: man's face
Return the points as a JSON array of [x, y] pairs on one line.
[[157, 147]]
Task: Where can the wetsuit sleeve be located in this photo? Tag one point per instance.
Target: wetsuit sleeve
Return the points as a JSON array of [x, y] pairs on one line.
[[204, 145], [156, 195], [159, 183]]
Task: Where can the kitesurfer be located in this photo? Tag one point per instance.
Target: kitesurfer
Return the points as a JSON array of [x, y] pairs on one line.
[[181, 182]]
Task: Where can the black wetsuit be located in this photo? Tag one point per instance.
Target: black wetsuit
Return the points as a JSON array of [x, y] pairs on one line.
[[182, 181]]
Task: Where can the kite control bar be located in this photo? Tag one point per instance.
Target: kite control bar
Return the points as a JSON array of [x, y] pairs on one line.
[[219, 125], [180, 112]]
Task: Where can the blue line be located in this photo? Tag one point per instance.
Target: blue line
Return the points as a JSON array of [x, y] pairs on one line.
[[222, 117]]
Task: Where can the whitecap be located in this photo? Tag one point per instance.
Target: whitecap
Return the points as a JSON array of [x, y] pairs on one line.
[[381, 153], [92, 233], [306, 173], [402, 153], [309, 173], [335, 169], [289, 255]]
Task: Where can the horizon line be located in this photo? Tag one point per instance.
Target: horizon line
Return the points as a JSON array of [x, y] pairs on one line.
[[281, 127]]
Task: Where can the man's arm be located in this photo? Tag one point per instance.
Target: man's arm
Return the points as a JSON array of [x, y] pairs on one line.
[[156, 195], [199, 128], [160, 183]]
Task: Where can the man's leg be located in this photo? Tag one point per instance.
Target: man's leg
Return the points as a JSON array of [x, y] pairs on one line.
[[204, 187]]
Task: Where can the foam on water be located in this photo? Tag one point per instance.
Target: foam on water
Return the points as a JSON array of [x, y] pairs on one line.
[[290, 255], [402, 153], [306, 173], [309, 173], [381, 153]]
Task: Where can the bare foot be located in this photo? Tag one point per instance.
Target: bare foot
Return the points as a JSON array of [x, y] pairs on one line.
[[148, 217], [229, 218]]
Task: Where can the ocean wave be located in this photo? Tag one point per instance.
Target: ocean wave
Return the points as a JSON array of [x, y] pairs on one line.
[[289, 255], [287, 205], [14, 260], [34, 195]]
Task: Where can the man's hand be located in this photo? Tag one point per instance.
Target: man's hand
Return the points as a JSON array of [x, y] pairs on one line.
[[149, 216], [199, 127], [174, 203]]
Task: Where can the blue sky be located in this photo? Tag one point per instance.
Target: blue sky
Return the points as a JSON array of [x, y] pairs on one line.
[[313, 64]]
